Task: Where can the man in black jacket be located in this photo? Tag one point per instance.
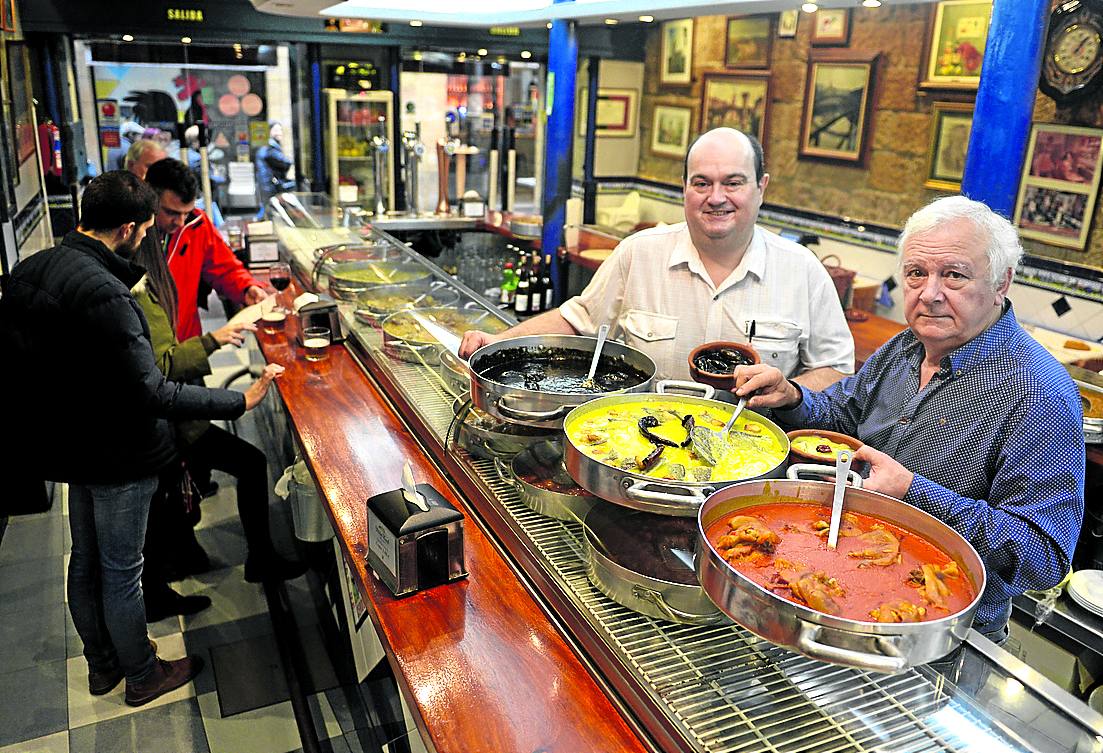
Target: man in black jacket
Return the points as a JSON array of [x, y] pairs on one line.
[[90, 407]]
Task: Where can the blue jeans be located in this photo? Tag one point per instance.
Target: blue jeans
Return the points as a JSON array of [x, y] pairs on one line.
[[108, 523]]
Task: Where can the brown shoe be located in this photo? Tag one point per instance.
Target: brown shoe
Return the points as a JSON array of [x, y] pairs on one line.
[[102, 683], [166, 676]]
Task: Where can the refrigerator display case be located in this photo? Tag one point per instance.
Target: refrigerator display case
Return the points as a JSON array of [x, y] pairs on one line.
[[714, 687], [358, 144]]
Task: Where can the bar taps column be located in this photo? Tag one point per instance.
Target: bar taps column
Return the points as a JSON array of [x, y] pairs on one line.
[[381, 147], [445, 149], [412, 149]]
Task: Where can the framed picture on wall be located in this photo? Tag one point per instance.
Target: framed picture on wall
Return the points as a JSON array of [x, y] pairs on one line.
[[951, 124], [787, 23], [670, 129], [748, 42], [736, 100], [676, 57], [955, 50], [616, 112], [7, 15], [837, 106], [1060, 183], [831, 27]]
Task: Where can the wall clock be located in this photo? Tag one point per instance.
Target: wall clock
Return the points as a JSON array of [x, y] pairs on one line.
[[1073, 60]]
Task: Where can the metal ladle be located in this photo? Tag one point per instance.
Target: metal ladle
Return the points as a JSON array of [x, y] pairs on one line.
[[588, 383], [842, 471]]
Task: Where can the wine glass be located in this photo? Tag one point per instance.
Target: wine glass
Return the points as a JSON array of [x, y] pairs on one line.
[[279, 274]]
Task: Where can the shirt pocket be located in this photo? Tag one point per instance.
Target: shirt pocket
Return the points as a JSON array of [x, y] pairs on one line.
[[778, 344], [652, 333]]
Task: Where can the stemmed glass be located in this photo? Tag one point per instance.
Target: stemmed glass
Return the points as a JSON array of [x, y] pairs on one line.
[[279, 274]]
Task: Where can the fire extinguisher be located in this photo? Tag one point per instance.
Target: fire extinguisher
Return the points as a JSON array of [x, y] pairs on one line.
[[49, 143]]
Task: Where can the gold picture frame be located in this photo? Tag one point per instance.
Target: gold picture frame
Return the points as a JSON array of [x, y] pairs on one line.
[[747, 44], [787, 21], [670, 130], [1060, 184], [957, 38], [676, 58], [838, 101], [736, 100], [831, 27], [951, 124]]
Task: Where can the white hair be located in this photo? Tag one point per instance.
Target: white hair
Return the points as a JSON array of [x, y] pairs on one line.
[[134, 153], [1004, 250]]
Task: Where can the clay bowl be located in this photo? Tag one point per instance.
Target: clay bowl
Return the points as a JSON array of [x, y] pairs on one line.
[[719, 379], [797, 455]]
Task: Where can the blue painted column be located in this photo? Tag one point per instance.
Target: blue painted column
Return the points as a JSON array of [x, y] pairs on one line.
[[559, 140], [1005, 103], [317, 102]]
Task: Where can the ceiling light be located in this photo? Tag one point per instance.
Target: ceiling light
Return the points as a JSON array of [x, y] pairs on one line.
[[417, 54], [647, 19], [611, 22], [809, 7], [416, 23], [128, 37], [871, 3], [548, 24], [501, 60], [185, 40], [525, 54], [481, 52]]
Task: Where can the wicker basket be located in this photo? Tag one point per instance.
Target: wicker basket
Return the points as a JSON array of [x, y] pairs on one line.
[[843, 278]]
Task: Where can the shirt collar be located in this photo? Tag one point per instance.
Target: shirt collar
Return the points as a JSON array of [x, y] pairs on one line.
[[753, 261], [976, 351]]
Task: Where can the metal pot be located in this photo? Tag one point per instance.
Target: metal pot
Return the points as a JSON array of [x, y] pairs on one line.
[[484, 437], [641, 492], [546, 409], [455, 375], [545, 455], [423, 348], [636, 559], [344, 283], [853, 643], [372, 309]]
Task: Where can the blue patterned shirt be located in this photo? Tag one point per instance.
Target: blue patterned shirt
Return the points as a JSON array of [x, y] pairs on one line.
[[995, 440]]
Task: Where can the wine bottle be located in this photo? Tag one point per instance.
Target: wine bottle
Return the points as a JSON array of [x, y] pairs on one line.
[[546, 284], [508, 286], [521, 299], [536, 293]]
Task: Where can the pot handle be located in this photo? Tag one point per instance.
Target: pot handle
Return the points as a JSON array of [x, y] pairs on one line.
[[527, 415], [668, 386], [890, 661], [639, 491], [815, 469], [671, 613], [505, 475]]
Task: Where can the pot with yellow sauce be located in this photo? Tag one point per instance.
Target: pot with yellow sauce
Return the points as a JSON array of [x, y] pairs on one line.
[[638, 450]]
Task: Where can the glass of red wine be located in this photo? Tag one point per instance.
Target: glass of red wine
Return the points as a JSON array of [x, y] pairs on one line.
[[279, 275]]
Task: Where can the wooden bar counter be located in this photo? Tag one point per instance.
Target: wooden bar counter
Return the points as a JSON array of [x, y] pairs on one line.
[[481, 665]]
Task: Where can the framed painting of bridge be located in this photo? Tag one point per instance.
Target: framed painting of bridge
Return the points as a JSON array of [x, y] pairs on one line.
[[737, 101], [838, 101]]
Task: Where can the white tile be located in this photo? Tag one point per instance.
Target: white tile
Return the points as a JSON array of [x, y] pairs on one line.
[[231, 597], [85, 708], [55, 743], [65, 575], [270, 729]]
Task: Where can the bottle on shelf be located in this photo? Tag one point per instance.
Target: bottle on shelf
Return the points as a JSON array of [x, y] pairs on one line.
[[546, 285], [521, 305], [509, 284], [536, 292]]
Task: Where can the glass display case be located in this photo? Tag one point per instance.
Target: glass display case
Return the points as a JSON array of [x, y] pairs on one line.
[[358, 144], [693, 687]]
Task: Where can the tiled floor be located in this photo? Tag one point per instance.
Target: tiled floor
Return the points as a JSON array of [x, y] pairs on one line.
[[238, 704]]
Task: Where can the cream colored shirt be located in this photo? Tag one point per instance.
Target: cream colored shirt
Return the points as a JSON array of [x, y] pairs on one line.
[[656, 295]]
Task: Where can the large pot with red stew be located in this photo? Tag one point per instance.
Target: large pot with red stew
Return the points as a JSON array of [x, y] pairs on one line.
[[900, 589]]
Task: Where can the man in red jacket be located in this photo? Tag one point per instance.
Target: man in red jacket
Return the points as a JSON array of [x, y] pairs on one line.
[[196, 251]]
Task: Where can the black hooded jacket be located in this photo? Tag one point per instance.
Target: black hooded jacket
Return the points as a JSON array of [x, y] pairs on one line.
[[83, 400]]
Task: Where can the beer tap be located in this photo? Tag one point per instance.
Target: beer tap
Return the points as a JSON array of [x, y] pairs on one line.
[[412, 149], [381, 146], [445, 149]]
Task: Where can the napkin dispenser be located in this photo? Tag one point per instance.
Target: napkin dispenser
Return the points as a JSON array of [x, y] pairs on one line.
[[413, 547], [322, 313]]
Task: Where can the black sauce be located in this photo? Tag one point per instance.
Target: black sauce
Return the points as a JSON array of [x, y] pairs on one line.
[[558, 370], [721, 361], [644, 542]]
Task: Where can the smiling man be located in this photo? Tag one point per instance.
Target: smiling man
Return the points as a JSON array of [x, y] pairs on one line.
[[668, 289], [964, 415]]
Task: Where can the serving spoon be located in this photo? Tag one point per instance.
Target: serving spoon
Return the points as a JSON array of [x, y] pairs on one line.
[[588, 383], [842, 471]]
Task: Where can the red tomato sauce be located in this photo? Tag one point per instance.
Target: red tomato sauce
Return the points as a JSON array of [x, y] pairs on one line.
[[859, 587]]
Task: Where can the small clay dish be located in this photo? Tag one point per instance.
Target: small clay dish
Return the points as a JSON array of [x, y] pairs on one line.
[[809, 454], [714, 363]]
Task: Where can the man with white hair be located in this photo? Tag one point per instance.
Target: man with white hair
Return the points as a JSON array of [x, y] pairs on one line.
[[141, 155], [963, 414]]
